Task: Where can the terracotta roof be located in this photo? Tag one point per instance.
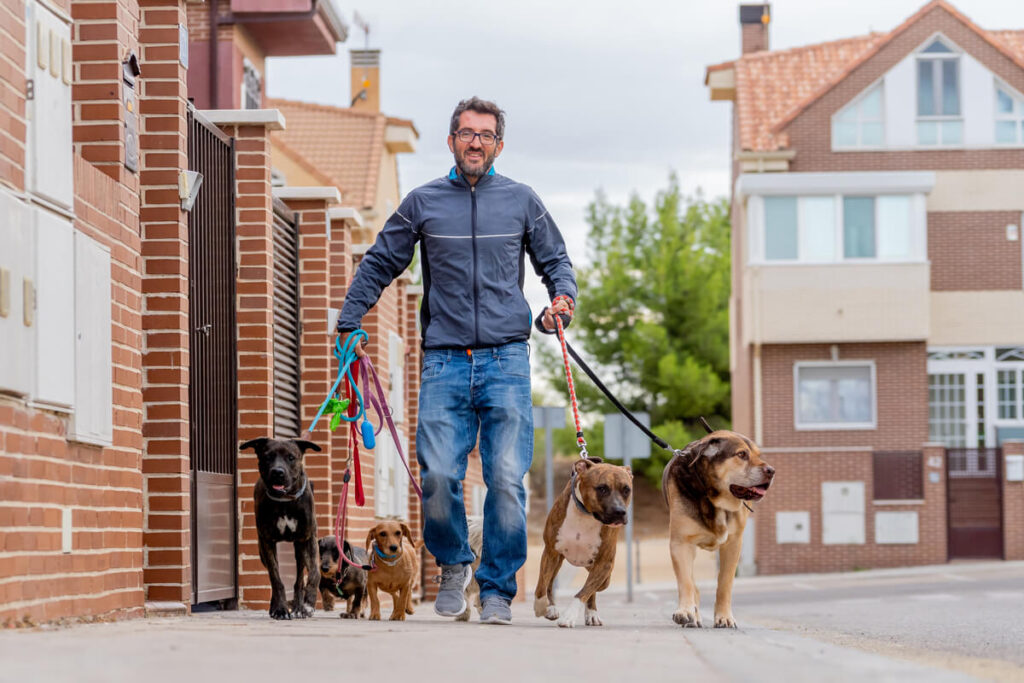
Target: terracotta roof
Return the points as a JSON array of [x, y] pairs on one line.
[[773, 88], [343, 145]]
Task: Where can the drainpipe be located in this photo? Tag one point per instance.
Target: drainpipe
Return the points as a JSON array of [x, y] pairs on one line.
[[216, 21]]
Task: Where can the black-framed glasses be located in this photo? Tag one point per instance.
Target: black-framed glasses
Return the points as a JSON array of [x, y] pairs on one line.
[[486, 138]]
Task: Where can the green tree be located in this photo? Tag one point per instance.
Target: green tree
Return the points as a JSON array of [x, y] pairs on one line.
[[653, 315]]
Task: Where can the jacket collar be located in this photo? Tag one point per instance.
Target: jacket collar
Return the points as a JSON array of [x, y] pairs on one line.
[[459, 179]]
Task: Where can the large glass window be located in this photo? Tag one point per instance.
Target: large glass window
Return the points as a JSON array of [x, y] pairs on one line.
[[835, 396], [860, 124], [947, 409], [1009, 117], [859, 227], [939, 119], [818, 229], [780, 229], [894, 227], [1006, 383]]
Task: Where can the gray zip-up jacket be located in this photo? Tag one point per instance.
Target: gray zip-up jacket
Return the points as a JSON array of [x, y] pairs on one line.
[[474, 240]]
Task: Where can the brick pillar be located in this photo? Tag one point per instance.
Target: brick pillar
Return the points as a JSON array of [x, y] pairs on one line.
[[165, 363], [1013, 506], [255, 316], [933, 533], [103, 35], [318, 367]]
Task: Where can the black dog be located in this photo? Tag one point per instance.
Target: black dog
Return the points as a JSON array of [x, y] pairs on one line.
[[340, 579], [284, 512]]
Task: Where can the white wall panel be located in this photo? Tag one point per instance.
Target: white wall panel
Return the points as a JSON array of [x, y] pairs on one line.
[[793, 527], [93, 416], [50, 167], [897, 526], [842, 507], [17, 271], [55, 308]]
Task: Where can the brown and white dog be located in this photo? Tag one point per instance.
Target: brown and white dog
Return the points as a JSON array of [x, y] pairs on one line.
[[706, 486], [475, 536], [396, 565], [583, 528]]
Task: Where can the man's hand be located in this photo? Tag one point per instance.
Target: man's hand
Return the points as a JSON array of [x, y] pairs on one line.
[[548, 320], [360, 348]]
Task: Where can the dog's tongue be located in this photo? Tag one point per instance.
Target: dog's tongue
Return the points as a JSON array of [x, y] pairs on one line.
[[759, 490], [278, 487]]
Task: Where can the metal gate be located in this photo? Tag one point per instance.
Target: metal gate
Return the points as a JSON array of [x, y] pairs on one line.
[[287, 369], [213, 387], [975, 502]]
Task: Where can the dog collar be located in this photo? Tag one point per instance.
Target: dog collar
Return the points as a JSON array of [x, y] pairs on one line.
[[290, 498], [385, 557], [573, 482]]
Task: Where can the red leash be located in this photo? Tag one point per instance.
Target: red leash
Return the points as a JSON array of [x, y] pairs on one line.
[[580, 441]]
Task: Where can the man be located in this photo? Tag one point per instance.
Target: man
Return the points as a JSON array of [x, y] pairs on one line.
[[474, 228]]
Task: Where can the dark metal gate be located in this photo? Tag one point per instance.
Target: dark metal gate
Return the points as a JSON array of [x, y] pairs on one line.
[[975, 502], [287, 369], [213, 387]]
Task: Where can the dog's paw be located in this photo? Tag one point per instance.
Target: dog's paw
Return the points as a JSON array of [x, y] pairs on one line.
[[399, 616], [374, 617], [302, 611], [576, 610], [348, 615], [591, 618], [541, 607], [464, 616], [280, 613], [687, 618], [552, 613], [725, 620]]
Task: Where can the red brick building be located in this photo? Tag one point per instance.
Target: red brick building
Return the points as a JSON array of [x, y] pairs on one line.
[[147, 327], [877, 315]]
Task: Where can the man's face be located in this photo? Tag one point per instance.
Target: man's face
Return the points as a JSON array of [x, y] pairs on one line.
[[475, 158]]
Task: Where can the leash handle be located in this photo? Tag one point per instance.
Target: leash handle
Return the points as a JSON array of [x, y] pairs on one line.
[[346, 355], [581, 443]]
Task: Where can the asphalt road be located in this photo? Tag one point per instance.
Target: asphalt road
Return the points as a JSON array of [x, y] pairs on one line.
[[953, 623]]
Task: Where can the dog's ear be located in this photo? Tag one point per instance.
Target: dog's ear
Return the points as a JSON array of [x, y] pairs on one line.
[[594, 459], [405, 530], [705, 425], [346, 548], [581, 466], [259, 445], [629, 470], [369, 538], [306, 446]]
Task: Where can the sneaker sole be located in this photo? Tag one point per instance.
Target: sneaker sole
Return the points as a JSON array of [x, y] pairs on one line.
[[496, 620], [465, 605]]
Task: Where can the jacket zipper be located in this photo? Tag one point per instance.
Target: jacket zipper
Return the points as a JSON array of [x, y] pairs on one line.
[[476, 286]]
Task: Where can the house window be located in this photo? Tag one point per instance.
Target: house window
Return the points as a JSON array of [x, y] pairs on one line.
[[835, 395], [947, 409], [939, 120], [860, 123], [252, 86], [1009, 117], [1006, 383], [827, 229]]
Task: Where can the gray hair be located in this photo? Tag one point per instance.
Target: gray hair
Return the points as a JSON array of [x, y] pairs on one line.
[[481, 107]]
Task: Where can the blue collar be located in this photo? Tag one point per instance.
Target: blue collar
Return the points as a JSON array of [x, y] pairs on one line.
[[381, 555], [454, 174]]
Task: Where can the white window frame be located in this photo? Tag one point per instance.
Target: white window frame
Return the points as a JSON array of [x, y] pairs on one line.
[[955, 55], [835, 426], [917, 227], [860, 120], [1016, 116]]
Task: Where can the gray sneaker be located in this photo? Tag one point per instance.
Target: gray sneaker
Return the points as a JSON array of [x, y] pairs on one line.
[[495, 610], [451, 596]]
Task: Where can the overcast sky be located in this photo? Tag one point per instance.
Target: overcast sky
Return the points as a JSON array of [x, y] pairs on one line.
[[598, 94]]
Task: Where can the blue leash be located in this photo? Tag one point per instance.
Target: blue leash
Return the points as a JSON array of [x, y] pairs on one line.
[[346, 356]]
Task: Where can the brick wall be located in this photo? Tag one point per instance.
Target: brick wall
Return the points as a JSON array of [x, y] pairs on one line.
[[1013, 508], [164, 226], [12, 94], [103, 34], [810, 132], [797, 487], [42, 473], [968, 250], [902, 396]]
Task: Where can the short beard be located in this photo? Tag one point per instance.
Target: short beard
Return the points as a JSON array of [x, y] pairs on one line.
[[476, 172]]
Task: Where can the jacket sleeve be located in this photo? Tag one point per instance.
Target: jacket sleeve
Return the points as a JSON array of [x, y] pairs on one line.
[[388, 258], [547, 252]]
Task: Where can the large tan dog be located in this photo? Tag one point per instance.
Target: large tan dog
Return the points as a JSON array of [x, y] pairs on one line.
[[706, 486], [396, 565], [582, 528]]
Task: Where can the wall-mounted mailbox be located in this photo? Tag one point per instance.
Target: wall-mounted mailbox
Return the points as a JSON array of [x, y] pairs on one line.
[[129, 72], [1015, 468]]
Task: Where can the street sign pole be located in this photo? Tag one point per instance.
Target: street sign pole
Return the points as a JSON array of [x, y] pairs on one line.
[[622, 440]]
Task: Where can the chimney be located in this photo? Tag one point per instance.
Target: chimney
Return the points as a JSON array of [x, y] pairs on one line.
[[365, 79], [754, 20]]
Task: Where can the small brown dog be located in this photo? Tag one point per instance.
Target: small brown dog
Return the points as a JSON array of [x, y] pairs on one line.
[[583, 528], [396, 565], [706, 486]]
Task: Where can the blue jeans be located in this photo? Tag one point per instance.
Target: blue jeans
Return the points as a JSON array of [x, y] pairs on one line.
[[460, 394]]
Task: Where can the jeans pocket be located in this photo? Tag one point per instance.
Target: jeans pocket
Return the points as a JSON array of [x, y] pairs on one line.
[[432, 367], [515, 361]]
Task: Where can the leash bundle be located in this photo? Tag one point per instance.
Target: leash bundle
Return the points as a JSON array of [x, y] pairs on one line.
[[347, 357], [581, 442]]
